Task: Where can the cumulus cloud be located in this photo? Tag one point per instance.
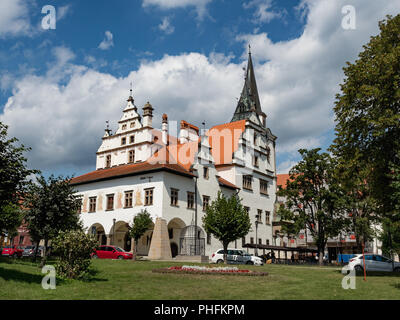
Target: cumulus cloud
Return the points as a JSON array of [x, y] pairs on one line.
[[200, 5], [108, 41], [297, 80], [14, 18], [166, 26], [263, 12]]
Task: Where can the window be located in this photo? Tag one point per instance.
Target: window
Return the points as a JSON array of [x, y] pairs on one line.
[[110, 202], [128, 199], [205, 173], [131, 156], [247, 210], [259, 216], [190, 200], [108, 161], [92, 204], [267, 217], [132, 124], [259, 241], [206, 202], [243, 241], [132, 139], [148, 197], [267, 242], [123, 141], [255, 139], [247, 182], [255, 161], [174, 197], [208, 238], [263, 187], [124, 127], [251, 240], [80, 206], [21, 240]]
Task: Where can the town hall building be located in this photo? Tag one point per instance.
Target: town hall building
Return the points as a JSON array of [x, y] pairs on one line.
[[175, 178]]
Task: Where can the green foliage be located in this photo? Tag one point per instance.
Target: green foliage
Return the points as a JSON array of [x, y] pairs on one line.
[[141, 223], [226, 219], [314, 198], [368, 115], [13, 174], [52, 206], [73, 249]]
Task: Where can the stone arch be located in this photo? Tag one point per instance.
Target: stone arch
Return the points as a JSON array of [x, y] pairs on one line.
[[175, 227], [119, 235], [98, 231]]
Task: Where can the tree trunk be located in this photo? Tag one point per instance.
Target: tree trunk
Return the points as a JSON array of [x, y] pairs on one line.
[[135, 243], [44, 258], [225, 245], [36, 250]]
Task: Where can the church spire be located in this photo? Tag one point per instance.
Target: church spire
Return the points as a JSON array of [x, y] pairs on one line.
[[249, 101]]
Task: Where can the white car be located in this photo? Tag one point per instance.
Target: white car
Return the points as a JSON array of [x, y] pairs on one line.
[[236, 256], [373, 262]]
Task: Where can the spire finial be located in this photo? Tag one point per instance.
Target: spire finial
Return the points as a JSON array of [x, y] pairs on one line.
[[130, 96], [249, 48]]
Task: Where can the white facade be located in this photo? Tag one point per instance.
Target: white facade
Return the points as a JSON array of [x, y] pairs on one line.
[[188, 166]]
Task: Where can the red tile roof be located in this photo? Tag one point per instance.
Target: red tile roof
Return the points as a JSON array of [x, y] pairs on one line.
[[282, 180], [226, 183]]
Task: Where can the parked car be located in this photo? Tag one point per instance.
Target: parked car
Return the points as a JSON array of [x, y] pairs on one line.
[[236, 256], [12, 251], [373, 262], [29, 251], [111, 252]]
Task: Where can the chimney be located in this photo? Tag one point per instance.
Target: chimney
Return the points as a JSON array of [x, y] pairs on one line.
[[164, 129], [148, 115]]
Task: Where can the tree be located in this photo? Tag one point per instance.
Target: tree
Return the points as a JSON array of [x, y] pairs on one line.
[[73, 249], [141, 223], [314, 198], [368, 116], [227, 220], [13, 175], [52, 207]]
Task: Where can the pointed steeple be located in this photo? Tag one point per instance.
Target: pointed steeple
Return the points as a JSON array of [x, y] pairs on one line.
[[249, 102]]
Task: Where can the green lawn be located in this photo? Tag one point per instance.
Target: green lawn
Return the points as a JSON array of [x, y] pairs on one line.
[[134, 280]]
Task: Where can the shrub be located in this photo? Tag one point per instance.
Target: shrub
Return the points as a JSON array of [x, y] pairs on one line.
[[73, 249]]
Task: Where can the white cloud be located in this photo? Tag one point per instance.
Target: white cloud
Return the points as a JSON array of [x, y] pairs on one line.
[[200, 5], [108, 42], [264, 12], [297, 79], [14, 18], [63, 11], [166, 26]]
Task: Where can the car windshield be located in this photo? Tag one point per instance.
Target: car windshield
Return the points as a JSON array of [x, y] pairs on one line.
[[119, 249]]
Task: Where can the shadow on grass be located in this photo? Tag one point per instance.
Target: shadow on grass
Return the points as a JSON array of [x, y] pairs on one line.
[[375, 274], [91, 276], [20, 276], [396, 285]]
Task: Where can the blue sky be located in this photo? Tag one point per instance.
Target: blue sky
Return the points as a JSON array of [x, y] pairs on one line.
[[58, 87]]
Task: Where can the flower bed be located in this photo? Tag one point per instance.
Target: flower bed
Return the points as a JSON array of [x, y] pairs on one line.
[[209, 270]]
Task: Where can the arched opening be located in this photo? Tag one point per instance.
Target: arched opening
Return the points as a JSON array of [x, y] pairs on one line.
[[192, 241], [175, 227], [120, 236], [174, 249], [97, 230]]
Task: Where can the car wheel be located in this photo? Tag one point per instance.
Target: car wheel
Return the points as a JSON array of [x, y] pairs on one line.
[[120, 258], [220, 261], [358, 269], [249, 262], [95, 256]]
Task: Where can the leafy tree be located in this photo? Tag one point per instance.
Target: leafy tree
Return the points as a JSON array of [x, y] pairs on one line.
[[52, 207], [368, 116], [314, 198], [73, 249], [13, 175], [141, 223], [227, 220]]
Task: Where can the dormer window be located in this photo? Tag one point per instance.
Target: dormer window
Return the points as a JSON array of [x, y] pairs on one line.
[[205, 173], [123, 141], [124, 127], [132, 124]]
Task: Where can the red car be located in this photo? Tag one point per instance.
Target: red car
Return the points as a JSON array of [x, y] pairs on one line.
[[12, 251], [111, 252]]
